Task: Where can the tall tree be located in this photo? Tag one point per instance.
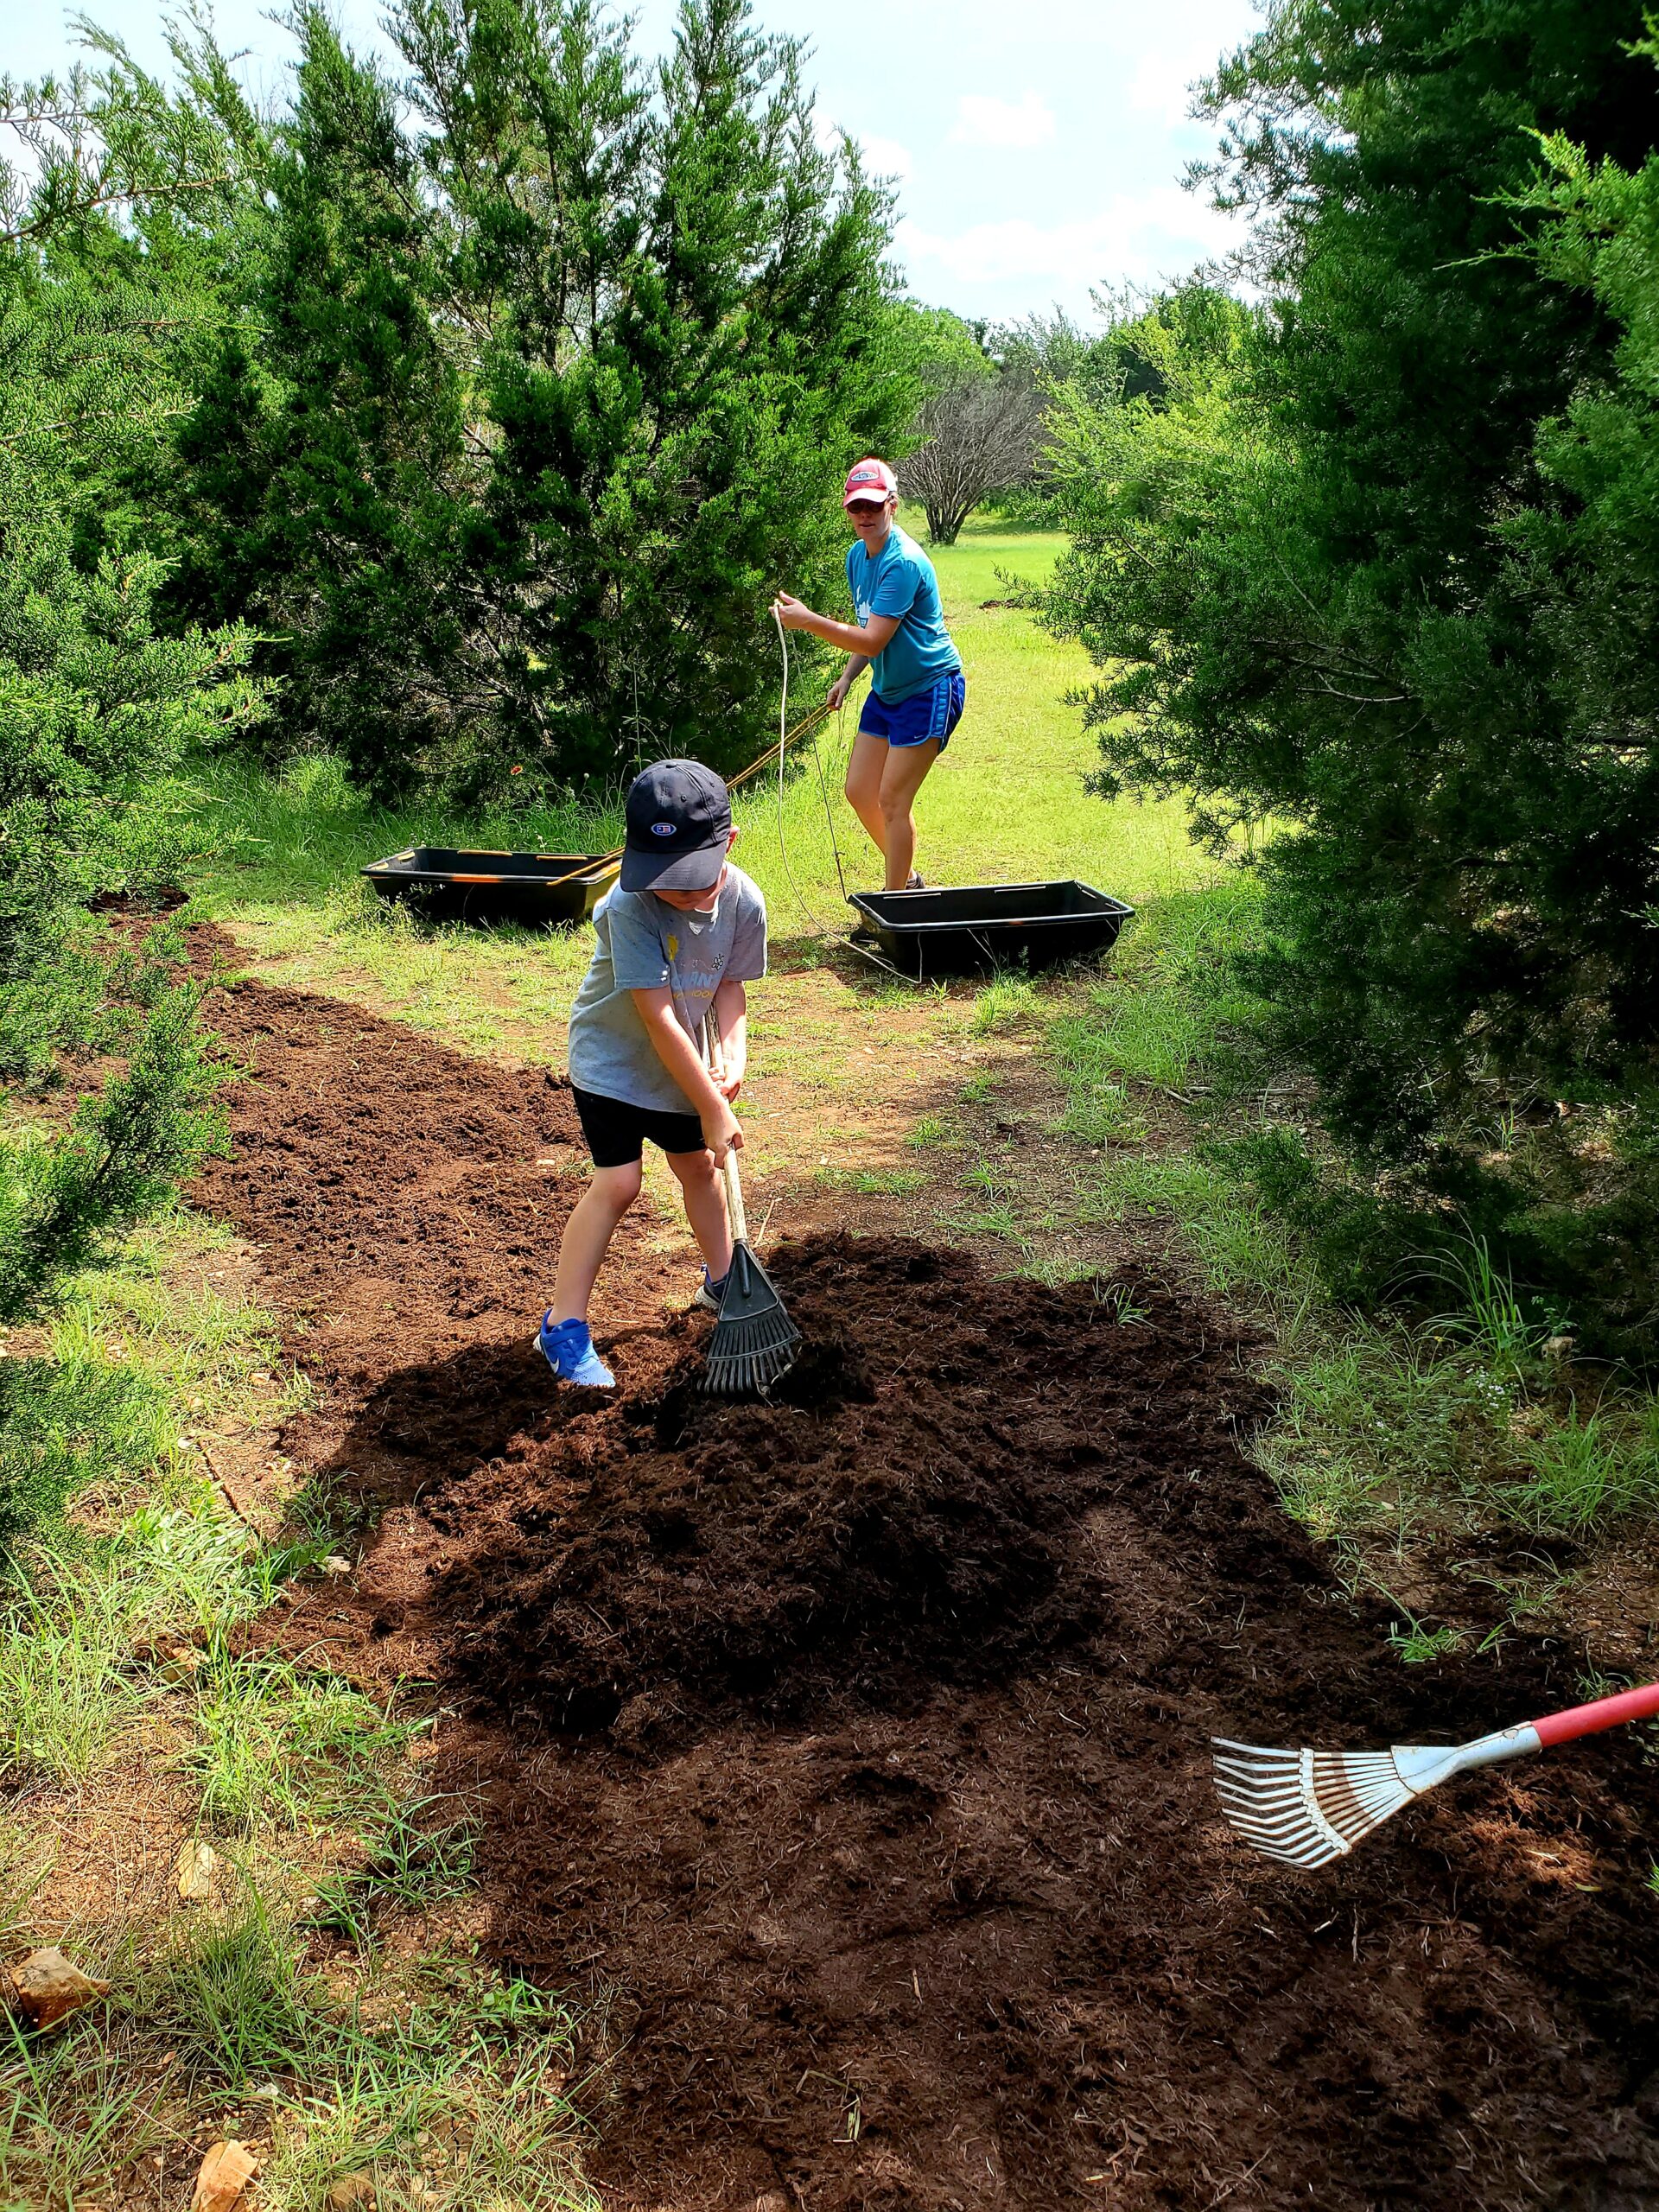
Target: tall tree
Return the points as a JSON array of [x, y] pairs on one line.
[[103, 306], [545, 396], [1321, 622]]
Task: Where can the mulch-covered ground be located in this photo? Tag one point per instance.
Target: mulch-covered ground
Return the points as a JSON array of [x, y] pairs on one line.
[[849, 1753]]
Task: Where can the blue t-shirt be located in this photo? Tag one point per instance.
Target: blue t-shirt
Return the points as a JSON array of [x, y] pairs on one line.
[[641, 944], [900, 580]]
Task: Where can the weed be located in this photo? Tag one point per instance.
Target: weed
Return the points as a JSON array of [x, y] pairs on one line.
[[1488, 1312], [279, 1746], [979, 1087], [929, 1130], [990, 1221], [415, 1861], [984, 1175], [1008, 1003], [1584, 1473], [1118, 1300], [1415, 1645], [871, 1182]]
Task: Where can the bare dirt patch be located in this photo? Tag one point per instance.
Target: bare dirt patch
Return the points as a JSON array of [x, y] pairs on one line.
[[851, 1751]]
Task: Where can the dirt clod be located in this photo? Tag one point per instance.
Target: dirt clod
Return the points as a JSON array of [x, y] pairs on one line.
[[223, 2179], [46, 1987]]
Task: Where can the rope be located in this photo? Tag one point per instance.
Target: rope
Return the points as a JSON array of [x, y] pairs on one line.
[[606, 863], [814, 720], [823, 792], [808, 727]]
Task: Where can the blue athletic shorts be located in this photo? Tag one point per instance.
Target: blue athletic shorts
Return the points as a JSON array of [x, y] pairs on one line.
[[932, 713]]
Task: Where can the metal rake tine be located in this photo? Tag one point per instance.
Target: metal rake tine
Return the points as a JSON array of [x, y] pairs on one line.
[[1308, 1806]]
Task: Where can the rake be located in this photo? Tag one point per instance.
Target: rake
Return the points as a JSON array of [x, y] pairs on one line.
[[1308, 1807], [755, 1340]]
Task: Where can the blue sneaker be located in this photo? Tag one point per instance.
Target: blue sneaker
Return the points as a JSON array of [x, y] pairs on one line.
[[709, 1293], [569, 1351]]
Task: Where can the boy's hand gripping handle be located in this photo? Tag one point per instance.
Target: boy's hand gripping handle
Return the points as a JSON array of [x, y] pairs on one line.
[[716, 1060]]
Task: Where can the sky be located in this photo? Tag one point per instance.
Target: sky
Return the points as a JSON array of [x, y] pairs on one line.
[[1038, 146]]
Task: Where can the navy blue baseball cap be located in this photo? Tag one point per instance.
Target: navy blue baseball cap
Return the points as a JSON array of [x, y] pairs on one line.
[[679, 818]]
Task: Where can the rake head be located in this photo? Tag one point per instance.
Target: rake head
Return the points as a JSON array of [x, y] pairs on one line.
[[753, 1344], [1307, 1807]]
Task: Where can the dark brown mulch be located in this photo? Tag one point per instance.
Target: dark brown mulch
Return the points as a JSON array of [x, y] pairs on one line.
[[850, 1752]]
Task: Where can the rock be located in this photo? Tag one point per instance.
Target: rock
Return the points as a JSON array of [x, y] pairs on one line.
[[225, 2173], [47, 1987], [195, 1868], [351, 2193]]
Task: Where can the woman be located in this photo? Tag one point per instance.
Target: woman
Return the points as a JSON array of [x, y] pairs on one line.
[[917, 689]]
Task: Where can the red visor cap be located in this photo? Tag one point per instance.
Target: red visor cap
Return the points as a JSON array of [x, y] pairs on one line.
[[868, 479]]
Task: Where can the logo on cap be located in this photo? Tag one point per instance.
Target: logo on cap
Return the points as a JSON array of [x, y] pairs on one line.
[[662, 828]]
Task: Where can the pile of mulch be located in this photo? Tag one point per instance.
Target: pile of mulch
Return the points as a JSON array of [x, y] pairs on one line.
[[848, 1754], [405, 1202]]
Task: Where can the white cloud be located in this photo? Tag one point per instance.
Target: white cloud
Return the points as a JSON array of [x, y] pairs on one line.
[[887, 157], [882, 156], [984, 120], [1139, 238], [1162, 85]]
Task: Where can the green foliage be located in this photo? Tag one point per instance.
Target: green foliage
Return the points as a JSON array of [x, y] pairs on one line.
[[1372, 575], [532, 408], [1586, 1472], [60, 1426], [104, 297], [942, 350]]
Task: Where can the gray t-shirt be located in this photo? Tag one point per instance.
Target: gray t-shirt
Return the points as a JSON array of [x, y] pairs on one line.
[[643, 944]]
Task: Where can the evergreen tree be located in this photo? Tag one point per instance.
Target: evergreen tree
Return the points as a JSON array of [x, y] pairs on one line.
[[1305, 558], [545, 398], [100, 306]]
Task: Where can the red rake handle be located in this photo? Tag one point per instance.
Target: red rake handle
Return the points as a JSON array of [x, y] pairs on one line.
[[1605, 1713]]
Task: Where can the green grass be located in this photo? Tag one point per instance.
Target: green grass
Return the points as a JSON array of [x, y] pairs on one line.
[[1393, 1432], [1010, 1003], [277, 1743], [871, 1182], [420, 1855], [1589, 1471], [431, 2077], [1006, 802], [158, 1553]]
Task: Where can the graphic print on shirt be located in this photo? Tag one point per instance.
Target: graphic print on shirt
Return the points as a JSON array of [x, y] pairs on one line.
[[641, 944]]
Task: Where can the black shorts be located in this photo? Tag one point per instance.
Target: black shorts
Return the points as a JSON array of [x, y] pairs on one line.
[[616, 1131]]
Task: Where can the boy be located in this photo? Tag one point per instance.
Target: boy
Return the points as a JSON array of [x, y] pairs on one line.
[[681, 935]]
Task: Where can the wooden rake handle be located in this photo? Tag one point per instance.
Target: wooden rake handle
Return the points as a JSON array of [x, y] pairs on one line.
[[716, 1062]]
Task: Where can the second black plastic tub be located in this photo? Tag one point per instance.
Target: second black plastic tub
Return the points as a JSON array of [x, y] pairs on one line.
[[455, 883], [985, 926]]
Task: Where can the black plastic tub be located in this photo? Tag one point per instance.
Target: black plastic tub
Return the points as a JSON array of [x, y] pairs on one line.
[[451, 883], [983, 926]]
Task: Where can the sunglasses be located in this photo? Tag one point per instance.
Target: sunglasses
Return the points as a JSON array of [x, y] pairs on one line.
[[866, 510]]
